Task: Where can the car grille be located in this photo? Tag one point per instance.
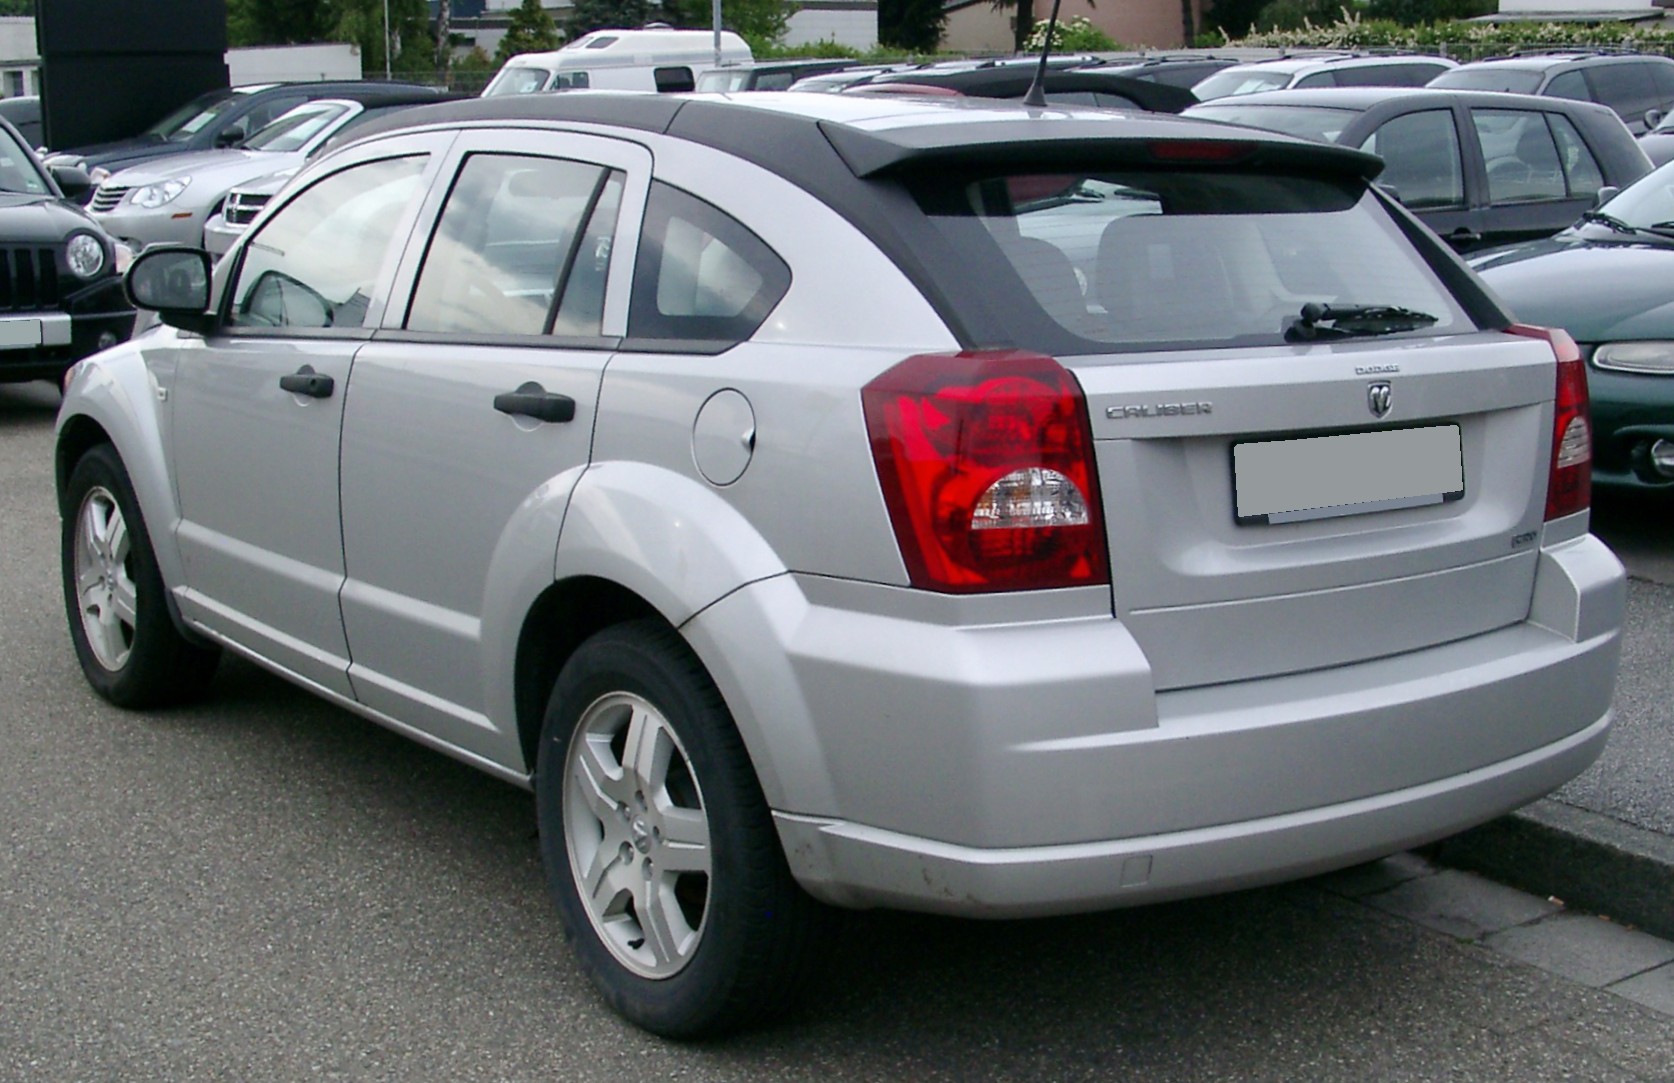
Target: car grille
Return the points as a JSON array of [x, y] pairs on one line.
[[28, 278], [242, 207], [108, 196]]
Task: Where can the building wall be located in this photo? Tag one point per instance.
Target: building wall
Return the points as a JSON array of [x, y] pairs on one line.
[[847, 22], [20, 60], [979, 26]]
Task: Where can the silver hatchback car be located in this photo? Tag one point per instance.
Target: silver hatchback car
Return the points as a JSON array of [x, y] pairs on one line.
[[844, 501]]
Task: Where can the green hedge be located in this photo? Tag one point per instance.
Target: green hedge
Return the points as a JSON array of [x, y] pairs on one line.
[[1463, 40]]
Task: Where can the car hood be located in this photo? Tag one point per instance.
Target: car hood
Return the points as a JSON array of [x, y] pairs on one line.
[[40, 219], [1595, 291], [98, 154], [232, 164]]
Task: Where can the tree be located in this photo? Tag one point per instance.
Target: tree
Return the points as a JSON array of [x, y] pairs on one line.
[[913, 25], [278, 22], [362, 22], [444, 43], [590, 15], [762, 23], [531, 31]]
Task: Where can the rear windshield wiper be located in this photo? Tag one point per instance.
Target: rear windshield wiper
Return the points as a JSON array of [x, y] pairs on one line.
[[1350, 321]]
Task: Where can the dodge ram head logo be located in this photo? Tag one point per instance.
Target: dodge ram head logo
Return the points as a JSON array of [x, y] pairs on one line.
[[1379, 397]]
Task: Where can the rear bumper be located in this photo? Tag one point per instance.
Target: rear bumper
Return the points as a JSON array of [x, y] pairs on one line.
[[1029, 768]]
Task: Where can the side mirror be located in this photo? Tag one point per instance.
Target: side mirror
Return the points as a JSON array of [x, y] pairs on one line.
[[1653, 117], [174, 283], [232, 137], [1606, 194], [74, 181]]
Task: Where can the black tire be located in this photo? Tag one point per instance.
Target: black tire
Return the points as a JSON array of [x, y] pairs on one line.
[[143, 660], [757, 935]]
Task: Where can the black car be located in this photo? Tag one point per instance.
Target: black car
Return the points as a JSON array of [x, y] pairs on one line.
[[1065, 85], [767, 74], [1631, 84], [218, 118], [1181, 71], [1478, 168], [24, 112], [60, 292]]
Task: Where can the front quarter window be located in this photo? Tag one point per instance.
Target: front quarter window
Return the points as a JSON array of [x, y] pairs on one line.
[[315, 263]]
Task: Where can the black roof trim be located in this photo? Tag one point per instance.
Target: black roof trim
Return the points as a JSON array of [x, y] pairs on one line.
[[1032, 141], [1012, 81], [645, 112]]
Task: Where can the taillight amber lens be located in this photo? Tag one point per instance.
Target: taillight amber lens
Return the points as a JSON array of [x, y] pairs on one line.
[[985, 459]]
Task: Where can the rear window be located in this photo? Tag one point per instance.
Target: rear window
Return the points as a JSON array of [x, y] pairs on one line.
[[1510, 80], [1225, 84], [1138, 259], [1323, 125]]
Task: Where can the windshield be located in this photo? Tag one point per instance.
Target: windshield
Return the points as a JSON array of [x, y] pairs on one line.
[[723, 82], [17, 170], [1134, 259], [190, 119], [1509, 80], [518, 80], [1309, 122], [1647, 202], [293, 130], [1225, 84]]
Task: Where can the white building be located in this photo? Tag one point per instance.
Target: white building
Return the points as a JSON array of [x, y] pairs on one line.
[[20, 60]]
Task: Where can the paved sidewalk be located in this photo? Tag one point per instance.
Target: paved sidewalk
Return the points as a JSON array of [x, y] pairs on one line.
[[1605, 842]]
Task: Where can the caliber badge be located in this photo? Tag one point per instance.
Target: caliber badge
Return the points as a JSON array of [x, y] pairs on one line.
[[1379, 397]]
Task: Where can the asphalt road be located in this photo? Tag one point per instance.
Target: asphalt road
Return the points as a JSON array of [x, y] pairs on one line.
[[267, 888]]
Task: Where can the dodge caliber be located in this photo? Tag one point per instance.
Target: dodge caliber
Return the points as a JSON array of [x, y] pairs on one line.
[[831, 501]]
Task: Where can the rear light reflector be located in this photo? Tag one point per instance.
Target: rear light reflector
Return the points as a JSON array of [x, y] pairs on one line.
[[1200, 150], [1569, 486], [985, 459]]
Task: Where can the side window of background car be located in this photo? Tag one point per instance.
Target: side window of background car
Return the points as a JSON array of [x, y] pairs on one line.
[[315, 262], [1625, 87], [701, 275], [1581, 172], [1319, 78], [1421, 156], [1370, 75], [1662, 77], [509, 236], [1521, 156], [1571, 85]]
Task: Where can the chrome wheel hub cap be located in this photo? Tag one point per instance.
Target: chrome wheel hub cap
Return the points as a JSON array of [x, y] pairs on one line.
[[104, 584], [637, 835]]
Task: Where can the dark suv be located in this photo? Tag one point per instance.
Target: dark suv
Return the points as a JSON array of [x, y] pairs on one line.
[[1631, 84], [60, 291]]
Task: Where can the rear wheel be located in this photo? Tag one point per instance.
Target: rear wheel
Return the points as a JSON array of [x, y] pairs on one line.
[[658, 844], [124, 636]]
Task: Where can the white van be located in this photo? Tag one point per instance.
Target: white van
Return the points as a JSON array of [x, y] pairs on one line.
[[654, 58]]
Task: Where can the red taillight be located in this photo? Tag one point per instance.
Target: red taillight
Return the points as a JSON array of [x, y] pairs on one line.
[[986, 463], [1569, 486], [1199, 150]]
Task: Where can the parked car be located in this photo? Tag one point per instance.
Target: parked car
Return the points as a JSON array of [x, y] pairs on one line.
[[766, 75], [24, 114], [1478, 168], [1630, 84], [1306, 72], [654, 57], [60, 275], [168, 200], [763, 483], [1076, 84], [216, 118], [1181, 71], [1606, 281], [1658, 143], [838, 81]]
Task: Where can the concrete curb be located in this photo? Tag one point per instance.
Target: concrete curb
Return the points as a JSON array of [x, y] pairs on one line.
[[1590, 861]]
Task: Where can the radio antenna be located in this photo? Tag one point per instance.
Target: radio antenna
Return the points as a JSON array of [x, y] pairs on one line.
[[1037, 89]]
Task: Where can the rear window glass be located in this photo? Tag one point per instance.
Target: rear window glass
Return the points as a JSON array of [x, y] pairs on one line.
[[1512, 80], [1142, 258], [515, 80], [1310, 122], [1224, 84]]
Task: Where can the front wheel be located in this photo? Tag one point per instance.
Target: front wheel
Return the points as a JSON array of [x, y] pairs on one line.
[[659, 848], [124, 636]]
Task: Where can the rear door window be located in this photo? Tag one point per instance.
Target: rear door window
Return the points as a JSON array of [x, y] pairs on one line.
[[1571, 85], [1581, 172], [1521, 156], [1140, 258], [1625, 87], [1421, 159]]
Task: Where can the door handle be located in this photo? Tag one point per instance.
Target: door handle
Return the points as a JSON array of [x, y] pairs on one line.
[[305, 381], [533, 400]]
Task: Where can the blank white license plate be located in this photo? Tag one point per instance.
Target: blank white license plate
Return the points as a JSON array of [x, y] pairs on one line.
[[17, 334], [1317, 477]]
